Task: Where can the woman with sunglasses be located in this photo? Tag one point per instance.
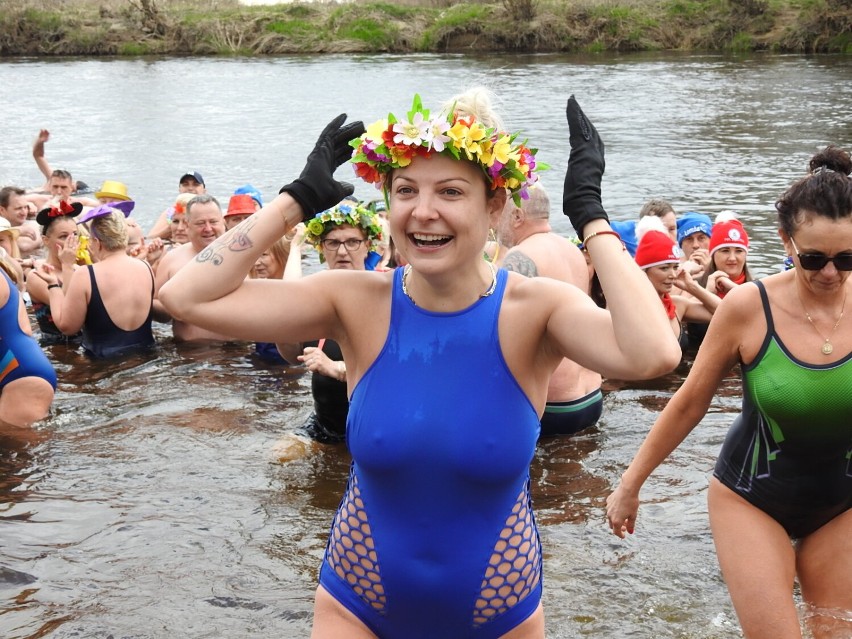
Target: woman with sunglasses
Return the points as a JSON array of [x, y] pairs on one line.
[[784, 470]]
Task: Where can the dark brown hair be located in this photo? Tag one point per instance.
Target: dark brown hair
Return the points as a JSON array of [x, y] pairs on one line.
[[826, 191]]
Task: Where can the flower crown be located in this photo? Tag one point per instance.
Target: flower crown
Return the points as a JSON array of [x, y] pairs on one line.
[[352, 214], [392, 144]]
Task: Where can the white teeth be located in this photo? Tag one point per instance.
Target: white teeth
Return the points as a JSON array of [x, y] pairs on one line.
[[429, 238]]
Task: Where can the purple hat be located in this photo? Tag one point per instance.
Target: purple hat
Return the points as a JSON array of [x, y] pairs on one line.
[[106, 209]]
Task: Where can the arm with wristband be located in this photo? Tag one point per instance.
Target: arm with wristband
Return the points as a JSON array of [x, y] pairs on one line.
[[638, 318]]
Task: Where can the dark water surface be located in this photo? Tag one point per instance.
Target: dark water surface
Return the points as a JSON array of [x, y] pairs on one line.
[[157, 504]]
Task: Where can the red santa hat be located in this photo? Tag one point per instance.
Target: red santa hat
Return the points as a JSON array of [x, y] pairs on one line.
[[656, 246], [728, 231]]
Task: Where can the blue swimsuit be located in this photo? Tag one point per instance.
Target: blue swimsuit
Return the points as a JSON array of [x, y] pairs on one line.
[[20, 354], [435, 536]]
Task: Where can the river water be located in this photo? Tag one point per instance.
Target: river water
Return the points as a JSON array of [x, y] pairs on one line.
[[167, 498]]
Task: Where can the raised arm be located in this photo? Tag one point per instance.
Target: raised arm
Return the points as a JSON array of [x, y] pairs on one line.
[[207, 291], [38, 154], [636, 341]]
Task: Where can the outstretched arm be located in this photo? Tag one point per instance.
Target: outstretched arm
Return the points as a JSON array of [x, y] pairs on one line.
[[719, 353]]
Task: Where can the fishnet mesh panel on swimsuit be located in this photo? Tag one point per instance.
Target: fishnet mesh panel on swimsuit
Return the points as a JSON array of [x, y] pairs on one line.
[[515, 567], [351, 551]]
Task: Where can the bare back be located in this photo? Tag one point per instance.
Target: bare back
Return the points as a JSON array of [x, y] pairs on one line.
[[550, 255]]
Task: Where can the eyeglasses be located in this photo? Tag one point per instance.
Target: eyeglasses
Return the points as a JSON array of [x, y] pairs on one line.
[[351, 244], [817, 261]]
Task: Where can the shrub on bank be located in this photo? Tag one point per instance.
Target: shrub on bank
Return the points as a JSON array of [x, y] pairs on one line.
[[204, 27]]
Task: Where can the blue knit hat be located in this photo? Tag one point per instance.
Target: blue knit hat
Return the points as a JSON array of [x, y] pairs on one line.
[[691, 223], [626, 230]]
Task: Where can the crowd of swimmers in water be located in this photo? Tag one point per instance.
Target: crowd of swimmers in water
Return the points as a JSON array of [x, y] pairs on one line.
[[51, 231], [82, 269]]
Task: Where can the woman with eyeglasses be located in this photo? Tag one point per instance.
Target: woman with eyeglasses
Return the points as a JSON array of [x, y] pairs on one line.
[[785, 471], [346, 237]]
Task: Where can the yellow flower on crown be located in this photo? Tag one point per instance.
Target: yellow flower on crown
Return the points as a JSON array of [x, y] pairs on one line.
[[393, 143]]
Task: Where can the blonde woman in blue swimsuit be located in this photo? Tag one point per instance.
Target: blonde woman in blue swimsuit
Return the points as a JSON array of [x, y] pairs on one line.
[[447, 364]]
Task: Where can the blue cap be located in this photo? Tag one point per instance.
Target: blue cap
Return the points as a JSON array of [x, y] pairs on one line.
[[691, 223], [626, 230], [248, 189], [195, 175]]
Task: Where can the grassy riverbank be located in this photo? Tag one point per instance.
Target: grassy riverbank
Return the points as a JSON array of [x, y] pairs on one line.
[[224, 27]]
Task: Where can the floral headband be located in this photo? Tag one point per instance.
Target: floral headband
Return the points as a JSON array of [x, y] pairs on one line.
[[354, 215], [392, 144]]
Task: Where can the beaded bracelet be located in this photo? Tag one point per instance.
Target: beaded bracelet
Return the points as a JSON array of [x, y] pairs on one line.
[[596, 233]]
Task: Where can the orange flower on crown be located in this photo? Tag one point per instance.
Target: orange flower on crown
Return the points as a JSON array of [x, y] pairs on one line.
[[391, 144]]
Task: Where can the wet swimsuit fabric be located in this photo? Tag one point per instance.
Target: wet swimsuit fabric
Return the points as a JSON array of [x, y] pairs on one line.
[[789, 452], [327, 423], [435, 536], [20, 354], [102, 338], [567, 418], [50, 333]]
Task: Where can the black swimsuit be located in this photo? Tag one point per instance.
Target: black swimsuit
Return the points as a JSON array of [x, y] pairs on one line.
[[102, 338]]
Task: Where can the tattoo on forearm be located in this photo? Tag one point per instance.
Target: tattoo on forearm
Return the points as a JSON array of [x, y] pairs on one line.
[[519, 263], [235, 240], [238, 239], [240, 242], [210, 254]]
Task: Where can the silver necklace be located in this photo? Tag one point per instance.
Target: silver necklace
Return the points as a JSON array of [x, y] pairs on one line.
[[407, 270], [827, 348]]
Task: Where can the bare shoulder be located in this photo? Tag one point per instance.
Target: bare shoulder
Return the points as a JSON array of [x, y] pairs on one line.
[[740, 303], [518, 260], [358, 291], [541, 295]]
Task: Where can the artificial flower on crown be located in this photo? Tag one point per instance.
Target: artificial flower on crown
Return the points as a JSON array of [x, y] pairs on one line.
[[392, 144], [349, 213]]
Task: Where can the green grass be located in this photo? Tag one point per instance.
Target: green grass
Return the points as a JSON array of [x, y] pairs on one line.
[[378, 35], [741, 43], [134, 49], [291, 27], [203, 27]]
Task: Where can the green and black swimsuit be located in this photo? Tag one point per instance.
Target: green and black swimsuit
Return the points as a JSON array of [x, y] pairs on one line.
[[790, 450]]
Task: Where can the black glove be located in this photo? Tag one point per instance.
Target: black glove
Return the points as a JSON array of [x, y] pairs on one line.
[[316, 189], [581, 199]]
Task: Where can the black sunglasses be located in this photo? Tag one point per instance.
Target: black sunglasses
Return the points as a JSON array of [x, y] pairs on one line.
[[817, 261]]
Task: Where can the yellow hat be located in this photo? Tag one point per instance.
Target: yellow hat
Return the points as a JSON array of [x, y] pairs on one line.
[[114, 190]]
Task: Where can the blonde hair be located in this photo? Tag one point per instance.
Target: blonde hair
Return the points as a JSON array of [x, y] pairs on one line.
[[110, 230], [280, 252], [478, 102], [15, 252], [8, 268]]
